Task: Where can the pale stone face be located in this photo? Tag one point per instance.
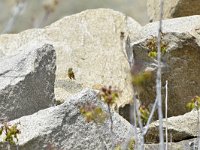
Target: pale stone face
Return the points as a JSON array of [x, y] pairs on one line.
[[173, 8], [64, 127], [88, 42]]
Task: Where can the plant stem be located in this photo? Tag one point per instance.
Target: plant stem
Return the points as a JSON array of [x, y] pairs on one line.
[[158, 80], [111, 121], [170, 140], [138, 118], [166, 121], [111, 125], [135, 125], [198, 128], [8, 146], [150, 117]]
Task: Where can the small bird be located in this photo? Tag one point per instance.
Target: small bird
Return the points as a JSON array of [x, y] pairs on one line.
[[71, 74]]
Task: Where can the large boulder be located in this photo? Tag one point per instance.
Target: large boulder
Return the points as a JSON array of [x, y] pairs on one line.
[[27, 81], [63, 127], [180, 67], [88, 42], [180, 62], [172, 8], [180, 128]]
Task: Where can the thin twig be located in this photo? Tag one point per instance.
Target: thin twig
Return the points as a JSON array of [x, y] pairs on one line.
[[111, 126], [158, 81], [135, 124], [111, 121], [166, 120], [170, 140], [150, 117], [198, 128], [138, 118], [8, 146]]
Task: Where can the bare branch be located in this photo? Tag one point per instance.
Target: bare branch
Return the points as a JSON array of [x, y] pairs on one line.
[[198, 127], [150, 117], [166, 121], [158, 80]]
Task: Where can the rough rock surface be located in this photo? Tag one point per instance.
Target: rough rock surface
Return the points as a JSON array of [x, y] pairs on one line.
[[181, 61], [63, 127], [173, 8], [179, 128], [183, 145], [27, 81], [181, 25], [180, 66], [88, 42]]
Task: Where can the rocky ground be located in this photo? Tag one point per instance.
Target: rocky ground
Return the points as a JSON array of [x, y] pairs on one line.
[[101, 46]]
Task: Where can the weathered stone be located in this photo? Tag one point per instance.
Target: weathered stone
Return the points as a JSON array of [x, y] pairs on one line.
[[179, 128], [63, 127], [180, 66], [88, 42], [172, 8], [27, 81], [181, 25], [191, 144]]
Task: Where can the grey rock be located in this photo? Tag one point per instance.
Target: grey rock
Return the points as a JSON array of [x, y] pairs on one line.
[[90, 43], [173, 8], [63, 127], [191, 144], [181, 25], [180, 66], [27, 81], [180, 128]]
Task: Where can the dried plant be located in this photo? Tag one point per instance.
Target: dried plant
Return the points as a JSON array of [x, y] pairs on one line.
[[93, 113], [9, 133], [152, 46]]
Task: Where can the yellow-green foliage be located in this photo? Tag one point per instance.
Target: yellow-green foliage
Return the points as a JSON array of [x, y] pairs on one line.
[[118, 147], [194, 103], [141, 79], [152, 47], [93, 113], [144, 112], [9, 132], [131, 144], [109, 95]]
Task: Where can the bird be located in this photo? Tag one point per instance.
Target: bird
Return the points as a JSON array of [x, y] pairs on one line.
[[71, 74]]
